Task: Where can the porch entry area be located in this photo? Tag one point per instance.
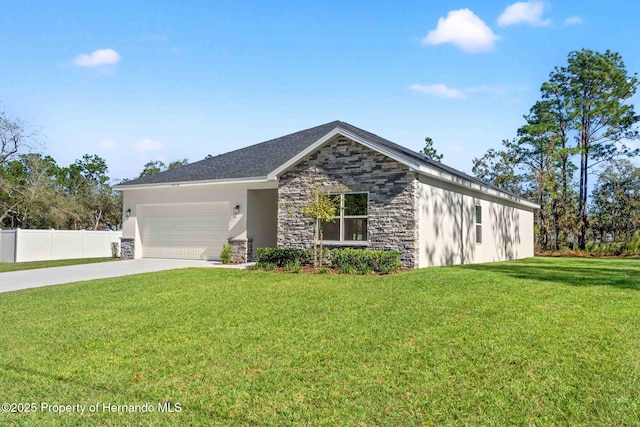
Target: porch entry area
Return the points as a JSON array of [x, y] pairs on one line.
[[262, 218]]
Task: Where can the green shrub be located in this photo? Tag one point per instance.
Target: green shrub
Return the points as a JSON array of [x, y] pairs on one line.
[[225, 254], [349, 261], [615, 248], [267, 266], [293, 267], [283, 256], [322, 270], [635, 244], [590, 246], [385, 262], [115, 249], [599, 249], [347, 269], [365, 269], [348, 257], [628, 247]]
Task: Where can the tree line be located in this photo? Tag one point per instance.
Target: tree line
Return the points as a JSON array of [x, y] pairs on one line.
[[583, 125], [37, 193]]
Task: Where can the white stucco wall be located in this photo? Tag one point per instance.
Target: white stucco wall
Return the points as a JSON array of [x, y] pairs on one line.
[[262, 218], [448, 230], [234, 194], [446, 219]]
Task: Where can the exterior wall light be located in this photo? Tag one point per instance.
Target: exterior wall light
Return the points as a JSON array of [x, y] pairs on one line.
[[236, 210], [127, 213]]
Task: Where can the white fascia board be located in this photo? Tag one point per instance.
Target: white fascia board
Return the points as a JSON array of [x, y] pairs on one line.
[[338, 131], [251, 180], [464, 183]]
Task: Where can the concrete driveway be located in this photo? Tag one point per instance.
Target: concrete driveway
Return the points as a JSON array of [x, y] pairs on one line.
[[15, 280]]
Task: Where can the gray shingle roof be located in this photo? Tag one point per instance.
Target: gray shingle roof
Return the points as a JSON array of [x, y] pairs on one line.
[[253, 161], [260, 159]]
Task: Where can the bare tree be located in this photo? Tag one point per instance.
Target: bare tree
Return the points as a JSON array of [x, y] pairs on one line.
[[14, 137]]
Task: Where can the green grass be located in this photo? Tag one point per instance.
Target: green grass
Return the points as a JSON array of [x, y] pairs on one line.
[[535, 342], [17, 266]]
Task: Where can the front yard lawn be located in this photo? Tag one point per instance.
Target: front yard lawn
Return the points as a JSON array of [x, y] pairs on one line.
[[17, 266], [549, 341]]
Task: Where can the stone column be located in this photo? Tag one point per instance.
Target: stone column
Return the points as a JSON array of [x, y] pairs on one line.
[[127, 247], [241, 250]]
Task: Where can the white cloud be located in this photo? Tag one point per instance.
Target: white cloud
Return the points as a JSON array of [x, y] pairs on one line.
[[97, 58], [108, 143], [439, 90], [524, 12], [147, 145], [573, 20], [464, 29]]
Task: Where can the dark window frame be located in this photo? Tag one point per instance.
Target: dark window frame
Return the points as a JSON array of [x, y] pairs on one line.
[[341, 217]]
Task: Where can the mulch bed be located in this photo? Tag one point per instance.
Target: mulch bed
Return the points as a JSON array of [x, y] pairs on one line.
[[309, 269], [580, 254]]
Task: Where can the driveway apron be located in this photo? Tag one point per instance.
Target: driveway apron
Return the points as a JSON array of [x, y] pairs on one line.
[[24, 279]]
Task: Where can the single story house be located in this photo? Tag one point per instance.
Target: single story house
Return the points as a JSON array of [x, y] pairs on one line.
[[389, 196]]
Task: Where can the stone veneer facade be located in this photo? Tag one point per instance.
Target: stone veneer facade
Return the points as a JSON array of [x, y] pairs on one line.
[[127, 247], [241, 250], [343, 165]]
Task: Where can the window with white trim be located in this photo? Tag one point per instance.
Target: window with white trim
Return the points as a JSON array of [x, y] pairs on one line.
[[478, 224], [350, 225]]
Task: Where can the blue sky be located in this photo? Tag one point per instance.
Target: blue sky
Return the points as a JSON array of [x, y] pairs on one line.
[[133, 81]]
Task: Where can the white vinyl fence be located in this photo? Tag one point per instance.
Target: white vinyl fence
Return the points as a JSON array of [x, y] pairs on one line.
[[41, 245]]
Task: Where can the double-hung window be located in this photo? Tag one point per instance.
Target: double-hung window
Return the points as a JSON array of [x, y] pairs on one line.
[[350, 223]]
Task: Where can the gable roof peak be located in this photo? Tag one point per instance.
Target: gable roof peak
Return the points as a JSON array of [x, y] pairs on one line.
[[262, 159]]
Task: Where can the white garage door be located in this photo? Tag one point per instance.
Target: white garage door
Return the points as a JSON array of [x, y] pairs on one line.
[[188, 231]]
